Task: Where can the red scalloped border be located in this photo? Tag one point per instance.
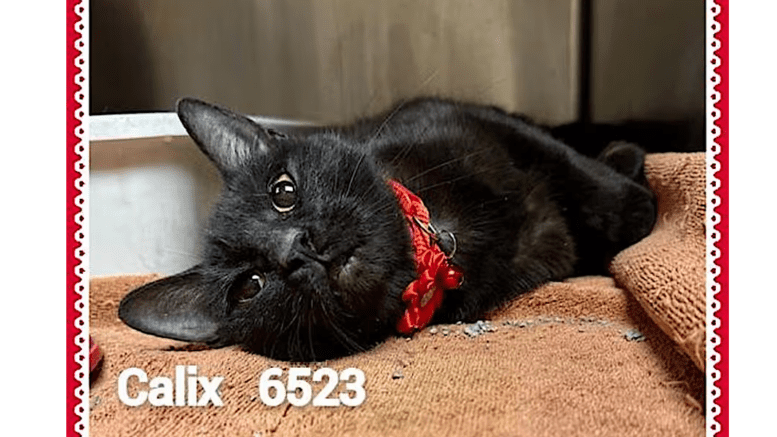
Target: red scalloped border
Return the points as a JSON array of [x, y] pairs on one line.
[[72, 245], [72, 227], [721, 386]]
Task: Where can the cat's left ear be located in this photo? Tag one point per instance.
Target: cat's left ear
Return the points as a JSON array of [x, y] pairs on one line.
[[229, 139], [181, 307]]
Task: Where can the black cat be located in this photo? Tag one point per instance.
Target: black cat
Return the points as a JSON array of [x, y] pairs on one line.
[[308, 253]]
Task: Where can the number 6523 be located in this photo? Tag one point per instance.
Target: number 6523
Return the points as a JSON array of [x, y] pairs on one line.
[[299, 392]]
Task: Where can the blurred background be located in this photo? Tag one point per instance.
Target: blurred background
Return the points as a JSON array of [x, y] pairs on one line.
[[328, 61]]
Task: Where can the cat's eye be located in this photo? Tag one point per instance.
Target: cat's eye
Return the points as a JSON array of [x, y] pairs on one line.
[[283, 193], [251, 287]]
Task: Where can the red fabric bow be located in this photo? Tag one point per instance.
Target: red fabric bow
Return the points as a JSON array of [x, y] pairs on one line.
[[435, 273]]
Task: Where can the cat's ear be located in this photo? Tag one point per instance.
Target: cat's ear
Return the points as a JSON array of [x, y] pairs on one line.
[[180, 307], [227, 138]]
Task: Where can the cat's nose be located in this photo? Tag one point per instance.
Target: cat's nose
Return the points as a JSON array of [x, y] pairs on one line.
[[300, 263], [296, 249]]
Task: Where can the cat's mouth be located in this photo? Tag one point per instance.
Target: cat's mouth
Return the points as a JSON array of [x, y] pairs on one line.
[[348, 269]]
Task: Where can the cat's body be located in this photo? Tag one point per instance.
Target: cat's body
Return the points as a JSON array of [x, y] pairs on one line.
[[307, 252]]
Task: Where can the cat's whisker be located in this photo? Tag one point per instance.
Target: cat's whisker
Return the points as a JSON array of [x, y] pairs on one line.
[[369, 143], [379, 209], [296, 339], [428, 80], [287, 326], [384, 123], [402, 153], [446, 163], [364, 193], [374, 97], [353, 175], [341, 336], [294, 319], [310, 338], [456, 179], [180, 252]]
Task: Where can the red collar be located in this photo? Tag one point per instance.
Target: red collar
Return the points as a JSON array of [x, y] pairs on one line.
[[434, 270]]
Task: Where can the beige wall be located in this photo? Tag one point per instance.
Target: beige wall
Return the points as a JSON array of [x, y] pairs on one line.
[[647, 59], [331, 60]]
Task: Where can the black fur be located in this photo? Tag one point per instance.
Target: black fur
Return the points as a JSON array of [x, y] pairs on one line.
[[323, 278]]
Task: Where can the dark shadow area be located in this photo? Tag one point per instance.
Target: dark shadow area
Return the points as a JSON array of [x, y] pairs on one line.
[[120, 76], [611, 45], [654, 136]]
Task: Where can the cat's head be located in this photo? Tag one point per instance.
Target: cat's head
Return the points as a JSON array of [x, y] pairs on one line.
[[306, 253]]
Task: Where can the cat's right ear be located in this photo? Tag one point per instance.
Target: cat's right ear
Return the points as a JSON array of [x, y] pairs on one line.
[[229, 139]]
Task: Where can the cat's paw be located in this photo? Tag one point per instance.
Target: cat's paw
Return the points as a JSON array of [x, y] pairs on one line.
[[638, 215], [626, 158]]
